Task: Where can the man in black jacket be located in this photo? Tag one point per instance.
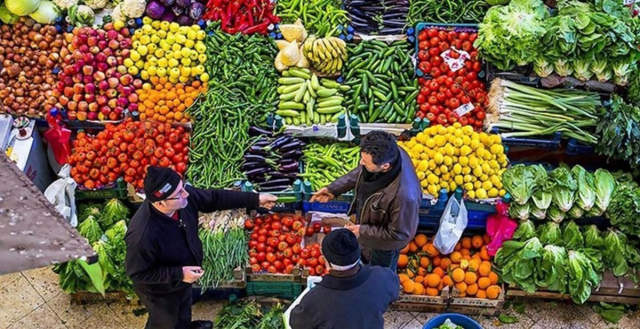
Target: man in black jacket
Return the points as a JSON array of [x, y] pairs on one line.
[[352, 295], [164, 251]]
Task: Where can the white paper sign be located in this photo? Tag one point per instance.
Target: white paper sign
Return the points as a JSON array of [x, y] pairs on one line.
[[455, 64], [463, 109]]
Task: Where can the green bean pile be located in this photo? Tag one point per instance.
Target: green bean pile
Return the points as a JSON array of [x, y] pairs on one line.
[[319, 17], [325, 163], [446, 11], [223, 252]]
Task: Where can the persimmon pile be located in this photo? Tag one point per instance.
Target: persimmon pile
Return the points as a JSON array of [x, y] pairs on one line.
[[422, 270], [164, 101]]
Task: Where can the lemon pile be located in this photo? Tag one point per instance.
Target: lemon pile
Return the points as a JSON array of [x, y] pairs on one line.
[[165, 49], [456, 156]]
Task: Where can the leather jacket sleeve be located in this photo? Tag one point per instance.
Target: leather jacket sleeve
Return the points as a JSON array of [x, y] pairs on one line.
[[345, 183], [402, 227]]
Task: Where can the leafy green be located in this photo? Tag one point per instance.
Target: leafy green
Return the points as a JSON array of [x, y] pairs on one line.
[[541, 199], [521, 181], [520, 267], [503, 318], [90, 229], [586, 194], [605, 185], [592, 237], [583, 273], [549, 233], [95, 273], [619, 132], [575, 212], [519, 211], [525, 230], [571, 236], [615, 243], [611, 313], [555, 214], [249, 315], [114, 210], [562, 186], [552, 273], [624, 210]]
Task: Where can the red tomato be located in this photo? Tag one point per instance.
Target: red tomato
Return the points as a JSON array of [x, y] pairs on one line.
[[432, 32], [312, 262], [315, 253], [326, 229], [253, 260], [319, 269], [302, 262], [273, 242], [272, 269], [261, 256], [282, 246], [287, 221], [278, 265], [256, 268], [276, 226], [296, 248], [271, 257], [253, 244], [310, 231], [279, 255], [304, 254], [265, 265], [282, 238], [289, 269], [292, 239], [274, 233], [261, 247], [248, 224]]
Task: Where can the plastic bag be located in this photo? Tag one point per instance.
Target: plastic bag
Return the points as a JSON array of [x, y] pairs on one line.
[[61, 194], [452, 224], [500, 227]]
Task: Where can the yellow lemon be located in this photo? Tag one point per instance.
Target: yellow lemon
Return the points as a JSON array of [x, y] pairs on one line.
[[453, 186], [487, 185], [457, 168], [444, 169], [467, 130], [432, 164], [433, 190], [465, 150], [502, 192], [466, 170], [468, 178], [420, 175], [493, 192], [432, 179], [495, 180], [473, 162], [463, 160], [430, 143], [438, 158], [442, 130], [424, 183], [471, 194], [458, 179], [448, 161], [477, 171], [481, 194], [422, 165], [497, 149], [468, 186]]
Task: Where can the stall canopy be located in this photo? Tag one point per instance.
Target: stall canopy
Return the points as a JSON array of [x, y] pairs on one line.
[[32, 233]]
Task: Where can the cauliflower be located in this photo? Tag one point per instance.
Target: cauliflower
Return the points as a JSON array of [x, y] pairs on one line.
[[65, 4], [81, 15], [133, 8], [117, 14], [96, 4]]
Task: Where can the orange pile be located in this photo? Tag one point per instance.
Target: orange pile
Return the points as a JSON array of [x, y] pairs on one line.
[[423, 271], [167, 102]]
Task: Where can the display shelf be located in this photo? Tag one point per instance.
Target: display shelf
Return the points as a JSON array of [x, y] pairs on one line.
[[475, 305], [422, 303], [337, 131], [552, 142]]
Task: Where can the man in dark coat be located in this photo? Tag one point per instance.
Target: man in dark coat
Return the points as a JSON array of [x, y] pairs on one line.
[[387, 198], [164, 251], [352, 295]]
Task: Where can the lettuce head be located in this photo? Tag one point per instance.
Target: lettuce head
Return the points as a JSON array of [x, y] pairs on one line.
[[521, 181]]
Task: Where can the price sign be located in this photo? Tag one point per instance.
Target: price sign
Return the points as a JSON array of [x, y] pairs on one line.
[[463, 109]]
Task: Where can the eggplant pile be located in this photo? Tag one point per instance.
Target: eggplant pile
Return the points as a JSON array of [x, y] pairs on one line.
[[272, 162], [378, 16]]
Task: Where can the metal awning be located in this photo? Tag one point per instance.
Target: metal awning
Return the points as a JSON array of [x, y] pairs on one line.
[[32, 233]]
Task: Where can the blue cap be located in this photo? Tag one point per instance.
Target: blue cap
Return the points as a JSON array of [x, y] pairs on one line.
[[350, 29], [342, 37], [138, 22], [56, 70], [340, 79], [349, 37], [201, 23], [411, 31], [272, 35], [279, 36]]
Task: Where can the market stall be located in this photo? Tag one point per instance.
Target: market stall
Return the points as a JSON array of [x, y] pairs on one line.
[[527, 112]]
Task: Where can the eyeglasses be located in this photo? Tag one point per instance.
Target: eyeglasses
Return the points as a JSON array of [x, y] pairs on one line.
[[180, 195]]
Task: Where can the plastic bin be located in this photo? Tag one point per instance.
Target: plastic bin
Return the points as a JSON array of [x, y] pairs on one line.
[[285, 290], [118, 191], [575, 147], [546, 142], [296, 192], [459, 319]]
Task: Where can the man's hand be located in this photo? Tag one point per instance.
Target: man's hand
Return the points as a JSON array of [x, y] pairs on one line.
[[191, 274], [322, 196], [268, 200], [355, 229]]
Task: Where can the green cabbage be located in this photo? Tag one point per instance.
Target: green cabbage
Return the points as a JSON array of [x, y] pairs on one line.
[[525, 231], [615, 244], [592, 237], [552, 273], [47, 13], [575, 212], [562, 186], [537, 213], [563, 67], [555, 214], [521, 181], [90, 229], [519, 211], [6, 16], [22, 7], [605, 184], [542, 199], [586, 194], [542, 67], [583, 275], [520, 266], [571, 236], [582, 70], [549, 233], [114, 210]]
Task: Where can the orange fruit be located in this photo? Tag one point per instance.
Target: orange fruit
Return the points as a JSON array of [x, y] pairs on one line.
[[413, 247], [408, 286], [433, 280], [422, 271], [402, 277], [404, 250], [447, 280], [457, 247], [474, 264], [493, 292], [472, 289], [403, 261], [440, 286], [477, 256], [456, 257], [444, 263], [464, 263], [430, 250], [462, 294], [461, 286], [481, 293], [458, 275], [484, 254], [470, 278], [483, 283], [419, 279], [466, 243], [465, 252], [493, 277], [410, 274], [484, 270], [418, 290], [424, 262], [436, 261], [432, 292], [486, 238], [420, 240], [439, 271], [477, 241]]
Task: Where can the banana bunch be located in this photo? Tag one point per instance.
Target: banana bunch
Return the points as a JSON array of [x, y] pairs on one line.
[[307, 100], [327, 55]]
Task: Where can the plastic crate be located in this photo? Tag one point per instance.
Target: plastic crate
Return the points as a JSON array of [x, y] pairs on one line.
[[330, 130], [447, 27], [575, 147], [285, 290], [339, 205], [521, 75], [547, 142], [118, 191], [296, 192]]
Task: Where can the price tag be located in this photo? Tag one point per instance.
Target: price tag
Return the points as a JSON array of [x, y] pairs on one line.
[[629, 2], [315, 128], [455, 64], [463, 109]]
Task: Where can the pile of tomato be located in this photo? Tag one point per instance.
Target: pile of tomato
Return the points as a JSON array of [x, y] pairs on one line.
[[126, 150], [442, 90], [275, 244]]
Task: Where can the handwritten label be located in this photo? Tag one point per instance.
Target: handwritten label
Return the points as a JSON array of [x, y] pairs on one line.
[[315, 128], [455, 64], [463, 109]]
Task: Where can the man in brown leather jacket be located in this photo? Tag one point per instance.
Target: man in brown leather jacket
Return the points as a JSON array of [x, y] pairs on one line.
[[386, 201]]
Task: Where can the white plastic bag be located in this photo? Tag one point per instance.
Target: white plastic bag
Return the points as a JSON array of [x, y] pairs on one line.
[[452, 224], [61, 194]]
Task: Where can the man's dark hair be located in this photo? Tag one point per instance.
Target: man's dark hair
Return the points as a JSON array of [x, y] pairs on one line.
[[381, 146]]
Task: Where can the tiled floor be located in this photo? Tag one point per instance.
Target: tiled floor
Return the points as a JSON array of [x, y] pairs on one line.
[[32, 299]]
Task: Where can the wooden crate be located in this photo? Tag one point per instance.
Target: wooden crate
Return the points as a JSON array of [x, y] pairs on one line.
[[296, 276], [422, 303], [476, 306], [85, 297]]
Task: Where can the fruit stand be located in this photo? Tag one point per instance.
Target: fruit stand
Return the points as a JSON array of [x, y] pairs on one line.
[[531, 122]]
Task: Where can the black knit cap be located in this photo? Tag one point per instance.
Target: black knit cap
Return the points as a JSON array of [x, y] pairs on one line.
[[340, 247], [160, 182]]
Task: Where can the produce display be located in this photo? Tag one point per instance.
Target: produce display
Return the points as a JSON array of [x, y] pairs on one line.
[[183, 12], [224, 243], [327, 55], [449, 11], [323, 164], [94, 84], [28, 53], [618, 132], [272, 163], [422, 270], [276, 244], [104, 226], [166, 49], [243, 16], [624, 206], [381, 77], [167, 102], [378, 17], [320, 17], [456, 156], [125, 150], [453, 92], [249, 314], [305, 99], [291, 53]]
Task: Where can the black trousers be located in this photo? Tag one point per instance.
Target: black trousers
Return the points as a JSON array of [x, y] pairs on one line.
[[170, 311]]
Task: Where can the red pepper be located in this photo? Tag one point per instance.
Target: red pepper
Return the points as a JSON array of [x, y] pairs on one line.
[[260, 28]]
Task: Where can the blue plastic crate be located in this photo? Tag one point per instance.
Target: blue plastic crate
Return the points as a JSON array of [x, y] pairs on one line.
[[547, 142], [446, 27], [575, 147]]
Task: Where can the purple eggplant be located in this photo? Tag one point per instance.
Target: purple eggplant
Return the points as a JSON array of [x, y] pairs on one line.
[[155, 10], [184, 3], [274, 188], [257, 150], [276, 182], [252, 165], [280, 141], [255, 131], [292, 154], [257, 171], [285, 161], [196, 10], [296, 144], [254, 158], [277, 174], [290, 167], [258, 179]]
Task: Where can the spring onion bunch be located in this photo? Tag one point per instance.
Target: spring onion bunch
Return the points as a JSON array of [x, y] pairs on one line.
[[527, 111]]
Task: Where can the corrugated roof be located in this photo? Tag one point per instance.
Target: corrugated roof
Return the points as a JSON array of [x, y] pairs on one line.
[[32, 233]]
